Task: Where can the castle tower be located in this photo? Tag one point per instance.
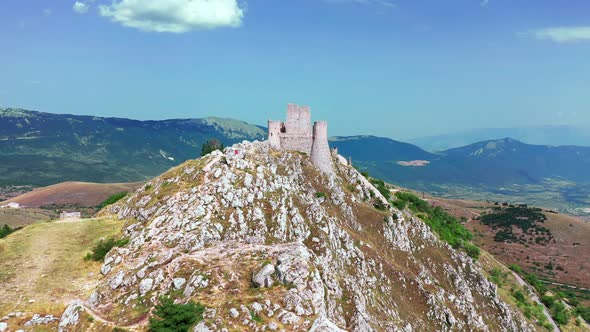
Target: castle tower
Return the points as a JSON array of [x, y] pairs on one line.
[[320, 150], [296, 134], [274, 132]]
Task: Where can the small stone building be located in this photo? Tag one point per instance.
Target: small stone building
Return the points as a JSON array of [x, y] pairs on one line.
[[297, 134], [68, 215]]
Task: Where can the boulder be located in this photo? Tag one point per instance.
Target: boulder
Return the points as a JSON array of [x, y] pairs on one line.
[[71, 315], [263, 277], [178, 282], [146, 285]]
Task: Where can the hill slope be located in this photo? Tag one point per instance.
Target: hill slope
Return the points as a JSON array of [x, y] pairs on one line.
[[41, 148], [72, 193], [260, 233]]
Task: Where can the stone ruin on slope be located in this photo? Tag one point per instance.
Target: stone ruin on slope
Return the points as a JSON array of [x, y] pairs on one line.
[[296, 134]]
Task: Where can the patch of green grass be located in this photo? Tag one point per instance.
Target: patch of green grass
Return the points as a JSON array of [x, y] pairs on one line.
[[114, 198], [172, 317], [320, 194], [255, 317]]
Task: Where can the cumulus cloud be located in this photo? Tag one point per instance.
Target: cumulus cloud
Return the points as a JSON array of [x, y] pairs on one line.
[[80, 7], [563, 34], [176, 16]]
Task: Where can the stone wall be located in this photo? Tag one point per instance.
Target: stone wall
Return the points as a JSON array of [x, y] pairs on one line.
[[297, 130], [296, 135], [320, 150], [274, 132], [298, 121]]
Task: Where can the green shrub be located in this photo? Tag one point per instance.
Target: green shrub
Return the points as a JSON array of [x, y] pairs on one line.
[[210, 146], [320, 194], [103, 247], [583, 312], [171, 317], [399, 204], [471, 250], [519, 295], [380, 185], [5, 230], [112, 199], [379, 205], [560, 313], [534, 281], [516, 268]]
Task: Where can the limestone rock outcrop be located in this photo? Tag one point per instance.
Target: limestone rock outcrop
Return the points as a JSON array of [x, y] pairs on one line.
[[246, 233]]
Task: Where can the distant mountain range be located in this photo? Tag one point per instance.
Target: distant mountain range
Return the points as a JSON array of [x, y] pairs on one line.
[[41, 148], [542, 135], [504, 169]]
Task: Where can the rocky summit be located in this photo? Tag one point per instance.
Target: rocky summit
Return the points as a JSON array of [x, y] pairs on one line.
[[265, 241]]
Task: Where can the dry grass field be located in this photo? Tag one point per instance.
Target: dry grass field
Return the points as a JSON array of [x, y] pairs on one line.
[[22, 217], [42, 266], [72, 193]]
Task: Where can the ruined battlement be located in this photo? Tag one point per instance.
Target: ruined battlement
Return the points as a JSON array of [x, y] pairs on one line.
[[297, 134]]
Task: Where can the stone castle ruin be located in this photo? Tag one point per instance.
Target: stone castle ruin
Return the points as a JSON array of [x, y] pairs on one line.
[[297, 134]]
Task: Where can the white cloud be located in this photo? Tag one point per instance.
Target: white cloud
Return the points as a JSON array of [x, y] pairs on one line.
[[563, 34], [47, 11], [80, 7], [175, 16]]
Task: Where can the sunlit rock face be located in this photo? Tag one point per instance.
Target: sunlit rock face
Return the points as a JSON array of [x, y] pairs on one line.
[[267, 241]]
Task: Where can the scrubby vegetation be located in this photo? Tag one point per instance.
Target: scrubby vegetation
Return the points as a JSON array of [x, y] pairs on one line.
[[114, 198], [320, 194], [521, 297], [5, 230], [557, 308], [173, 317], [446, 226], [103, 247], [556, 302], [380, 185], [210, 146], [505, 219]]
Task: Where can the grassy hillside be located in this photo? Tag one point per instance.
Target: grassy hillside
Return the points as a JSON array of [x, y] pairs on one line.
[[40, 148], [42, 266]]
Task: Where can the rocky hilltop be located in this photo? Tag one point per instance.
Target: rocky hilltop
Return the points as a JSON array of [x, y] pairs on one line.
[[265, 241]]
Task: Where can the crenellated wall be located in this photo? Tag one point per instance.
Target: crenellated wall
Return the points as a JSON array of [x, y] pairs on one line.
[[296, 135]]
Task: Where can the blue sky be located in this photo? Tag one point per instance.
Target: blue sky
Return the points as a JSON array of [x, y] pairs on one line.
[[399, 69]]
